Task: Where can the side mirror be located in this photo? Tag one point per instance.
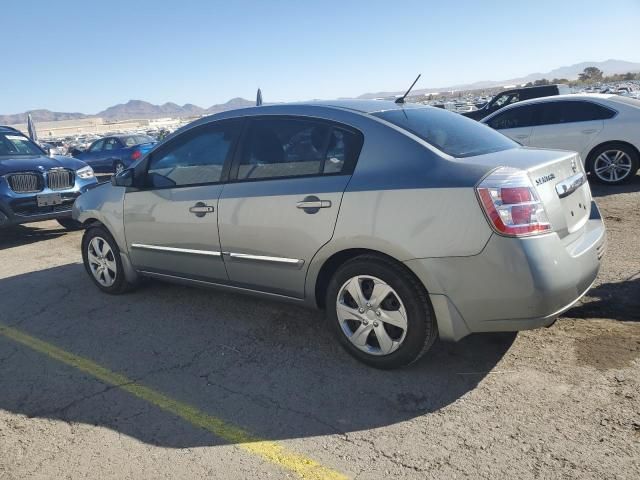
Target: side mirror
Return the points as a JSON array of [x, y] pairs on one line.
[[123, 179]]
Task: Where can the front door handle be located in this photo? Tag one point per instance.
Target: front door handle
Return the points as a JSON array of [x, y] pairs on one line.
[[522, 137], [200, 209], [313, 204], [589, 131]]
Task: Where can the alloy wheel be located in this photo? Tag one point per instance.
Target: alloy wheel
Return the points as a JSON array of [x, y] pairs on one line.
[[612, 166], [119, 168], [371, 315], [102, 261]]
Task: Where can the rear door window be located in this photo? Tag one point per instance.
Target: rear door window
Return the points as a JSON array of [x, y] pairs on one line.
[[573, 111], [111, 144], [449, 132], [291, 147]]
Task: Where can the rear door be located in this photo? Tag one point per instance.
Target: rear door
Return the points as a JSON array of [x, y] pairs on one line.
[[516, 122], [290, 175], [569, 125], [171, 224]]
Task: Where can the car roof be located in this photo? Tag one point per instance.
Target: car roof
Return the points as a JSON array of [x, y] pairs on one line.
[[125, 135], [363, 106], [355, 105], [568, 96], [553, 98], [7, 129]]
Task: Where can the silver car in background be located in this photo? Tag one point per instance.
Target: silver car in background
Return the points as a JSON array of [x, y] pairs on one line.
[[404, 222]]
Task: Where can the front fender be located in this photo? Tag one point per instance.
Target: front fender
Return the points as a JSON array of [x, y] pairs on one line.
[[106, 205]]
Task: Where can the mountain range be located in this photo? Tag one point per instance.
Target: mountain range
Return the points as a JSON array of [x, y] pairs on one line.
[[140, 109], [132, 109]]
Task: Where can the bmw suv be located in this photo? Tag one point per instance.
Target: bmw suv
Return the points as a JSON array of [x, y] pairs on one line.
[[36, 187], [405, 223]]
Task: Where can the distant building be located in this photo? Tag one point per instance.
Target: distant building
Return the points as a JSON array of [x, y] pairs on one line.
[[94, 125]]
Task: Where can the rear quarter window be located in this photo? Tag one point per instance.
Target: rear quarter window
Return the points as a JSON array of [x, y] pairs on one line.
[[449, 132]]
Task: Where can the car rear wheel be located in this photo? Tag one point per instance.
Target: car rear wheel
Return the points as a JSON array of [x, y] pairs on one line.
[[613, 163], [380, 312], [102, 261], [118, 167]]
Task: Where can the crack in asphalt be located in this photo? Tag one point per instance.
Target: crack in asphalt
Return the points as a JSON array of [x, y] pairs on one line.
[[43, 309], [14, 351], [394, 459]]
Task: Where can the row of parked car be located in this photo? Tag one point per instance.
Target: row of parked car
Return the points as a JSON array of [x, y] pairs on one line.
[[403, 222]]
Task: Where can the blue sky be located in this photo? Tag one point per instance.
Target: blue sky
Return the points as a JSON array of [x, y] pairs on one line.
[[70, 55]]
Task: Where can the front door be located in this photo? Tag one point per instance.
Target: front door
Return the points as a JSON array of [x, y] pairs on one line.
[[516, 122], [290, 176], [171, 224]]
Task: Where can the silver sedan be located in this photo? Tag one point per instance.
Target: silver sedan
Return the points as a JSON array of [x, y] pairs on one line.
[[405, 223]]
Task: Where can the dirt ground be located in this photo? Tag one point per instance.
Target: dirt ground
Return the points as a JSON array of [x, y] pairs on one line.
[[562, 402]]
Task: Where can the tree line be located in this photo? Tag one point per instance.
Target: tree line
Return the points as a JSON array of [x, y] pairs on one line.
[[589, 75]]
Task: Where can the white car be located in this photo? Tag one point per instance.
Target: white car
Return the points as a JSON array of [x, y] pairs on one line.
[[603, 129]]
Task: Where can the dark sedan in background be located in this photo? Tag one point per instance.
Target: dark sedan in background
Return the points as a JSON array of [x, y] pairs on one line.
[[113, 154], [36, 187]]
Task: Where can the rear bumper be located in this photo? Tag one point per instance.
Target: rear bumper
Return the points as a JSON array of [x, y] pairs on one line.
[[513, 284]]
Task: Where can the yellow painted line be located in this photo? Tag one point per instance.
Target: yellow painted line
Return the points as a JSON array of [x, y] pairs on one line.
[[304, 467]]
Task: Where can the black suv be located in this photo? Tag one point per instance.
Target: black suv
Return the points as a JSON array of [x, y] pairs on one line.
[[516, 95], [36, 187]]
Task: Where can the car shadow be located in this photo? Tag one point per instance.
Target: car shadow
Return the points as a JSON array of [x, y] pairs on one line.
[[613, 300], [600, 190], [24, 235], [269, 368]]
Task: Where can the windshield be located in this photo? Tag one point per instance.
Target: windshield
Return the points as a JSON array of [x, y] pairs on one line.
[[14, 144], [449, 132]]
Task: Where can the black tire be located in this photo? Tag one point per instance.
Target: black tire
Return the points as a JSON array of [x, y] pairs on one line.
[[120, 285], [631, 152], [70, 224], [116, 165], [422, 329]]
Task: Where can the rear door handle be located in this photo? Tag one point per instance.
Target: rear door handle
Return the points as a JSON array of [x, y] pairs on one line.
[[200, 209], [313, 204], [522, 136], [591, 130]]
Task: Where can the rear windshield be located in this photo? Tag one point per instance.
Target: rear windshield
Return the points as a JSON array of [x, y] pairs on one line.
[[449, 132], [14, 144], [137, 140]]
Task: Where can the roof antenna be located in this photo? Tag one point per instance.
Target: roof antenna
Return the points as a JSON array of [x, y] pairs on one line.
[[401, 99], [259, 98]]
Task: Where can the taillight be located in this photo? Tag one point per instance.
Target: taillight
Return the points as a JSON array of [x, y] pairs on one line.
[[511, 203], [136, 154]]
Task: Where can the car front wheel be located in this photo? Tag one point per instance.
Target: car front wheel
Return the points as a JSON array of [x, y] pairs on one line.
[[101, 257], [380, 312]]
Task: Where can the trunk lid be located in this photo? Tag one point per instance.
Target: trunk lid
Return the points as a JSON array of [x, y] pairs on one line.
[[559, 179], [145, 147]]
